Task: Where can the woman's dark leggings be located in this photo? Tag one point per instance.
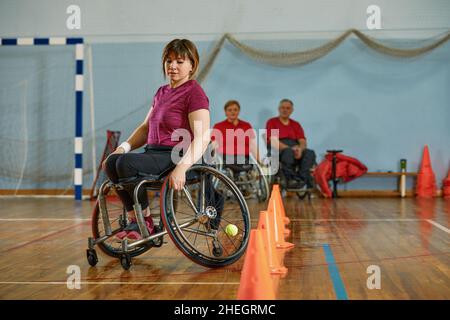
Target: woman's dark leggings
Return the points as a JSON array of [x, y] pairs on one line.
[[121, 167]]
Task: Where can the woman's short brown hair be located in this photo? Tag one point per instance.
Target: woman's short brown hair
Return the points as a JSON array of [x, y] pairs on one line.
[[182, 48], [231, 102]]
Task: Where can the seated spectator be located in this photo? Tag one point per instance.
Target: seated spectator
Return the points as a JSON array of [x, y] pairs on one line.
[[288, 138], [233, 138]]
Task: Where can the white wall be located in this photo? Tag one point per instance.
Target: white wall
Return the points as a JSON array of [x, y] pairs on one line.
[[156, 18]]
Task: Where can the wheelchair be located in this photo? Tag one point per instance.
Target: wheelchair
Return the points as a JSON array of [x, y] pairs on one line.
[[279, 178], [250, 177], [194, 221]]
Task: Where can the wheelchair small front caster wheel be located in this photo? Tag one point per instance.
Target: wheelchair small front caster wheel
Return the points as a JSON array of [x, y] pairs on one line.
[[125, 261], [92, 257], [302, 195], [217, 249]]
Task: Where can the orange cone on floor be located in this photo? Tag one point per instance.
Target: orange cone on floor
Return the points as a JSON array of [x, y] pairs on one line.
[[277, 205], [264, 225], [276, 221], [256, 282], [426, 180], [446, 186], [277, 193]]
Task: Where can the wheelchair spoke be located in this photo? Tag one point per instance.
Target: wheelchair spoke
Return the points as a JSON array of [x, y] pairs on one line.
[[207, 243], [189, 198], [198, 232], [198, 229]]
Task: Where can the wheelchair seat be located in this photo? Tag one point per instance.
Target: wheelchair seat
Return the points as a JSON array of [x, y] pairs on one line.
[[147, 176], [237, 168]]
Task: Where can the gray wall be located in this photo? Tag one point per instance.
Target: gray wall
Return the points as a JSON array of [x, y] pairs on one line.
[[157, 18]]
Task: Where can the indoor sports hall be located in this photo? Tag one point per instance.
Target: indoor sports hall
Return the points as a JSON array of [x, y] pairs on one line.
[[339, 111]]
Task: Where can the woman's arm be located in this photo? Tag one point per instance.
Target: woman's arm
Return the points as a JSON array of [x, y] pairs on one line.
[[139, 136], [199, 122]]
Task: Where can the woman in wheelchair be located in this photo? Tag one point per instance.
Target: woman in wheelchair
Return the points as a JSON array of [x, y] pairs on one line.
[[235, 144], [176, 106], [192, 207]]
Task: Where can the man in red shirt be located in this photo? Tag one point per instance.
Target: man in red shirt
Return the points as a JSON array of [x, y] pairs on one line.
[[286, 136]]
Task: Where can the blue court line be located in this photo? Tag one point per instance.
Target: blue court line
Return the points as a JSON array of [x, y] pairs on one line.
[[338, 285]]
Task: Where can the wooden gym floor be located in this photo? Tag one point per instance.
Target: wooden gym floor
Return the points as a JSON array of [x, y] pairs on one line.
[[335, 243]]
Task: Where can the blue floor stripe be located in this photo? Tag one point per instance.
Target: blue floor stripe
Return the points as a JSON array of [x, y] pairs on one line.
[[338, 285]]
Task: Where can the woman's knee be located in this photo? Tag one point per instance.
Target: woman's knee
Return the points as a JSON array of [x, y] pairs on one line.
[[110, 166], [124, 167]]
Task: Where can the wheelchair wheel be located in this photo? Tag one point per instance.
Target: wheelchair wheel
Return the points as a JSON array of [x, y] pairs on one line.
[[196, 219], [263, 185], [118, 220], [217, 163]]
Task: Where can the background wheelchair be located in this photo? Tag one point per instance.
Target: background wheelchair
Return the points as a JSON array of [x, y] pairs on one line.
[[250, 178], [280, 179], [193, 220]]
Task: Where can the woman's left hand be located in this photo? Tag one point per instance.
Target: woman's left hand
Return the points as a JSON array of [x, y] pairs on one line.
[[177, 178]]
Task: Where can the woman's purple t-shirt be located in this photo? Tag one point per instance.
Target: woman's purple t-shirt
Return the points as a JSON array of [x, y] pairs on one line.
[[171, 107]]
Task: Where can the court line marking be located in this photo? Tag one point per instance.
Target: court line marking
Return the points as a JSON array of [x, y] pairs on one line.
[[116, 283], [45, 219], [438, 225], [21, 245], [362, 219], [338, 285]]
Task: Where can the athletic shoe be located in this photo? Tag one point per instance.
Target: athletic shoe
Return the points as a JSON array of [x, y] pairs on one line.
[[135, 235]]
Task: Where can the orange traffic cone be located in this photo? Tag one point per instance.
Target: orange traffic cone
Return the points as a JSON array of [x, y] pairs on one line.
[[278, 226], [256, 283], [426, 180], [275, 265], [446, 186], [276, 204], [277, 193]]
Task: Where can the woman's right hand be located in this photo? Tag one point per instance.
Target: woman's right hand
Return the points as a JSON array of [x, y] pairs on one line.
[[118, 150]]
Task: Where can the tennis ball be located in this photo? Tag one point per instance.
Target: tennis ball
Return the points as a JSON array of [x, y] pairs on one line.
[[231, 230]]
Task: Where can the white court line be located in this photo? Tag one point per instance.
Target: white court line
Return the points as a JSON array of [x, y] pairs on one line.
[[45, 219], [117, 282], [437, 225], [358, 219]]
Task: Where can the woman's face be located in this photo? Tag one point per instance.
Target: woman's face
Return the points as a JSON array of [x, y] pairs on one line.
[[232, 112], [177, 68]]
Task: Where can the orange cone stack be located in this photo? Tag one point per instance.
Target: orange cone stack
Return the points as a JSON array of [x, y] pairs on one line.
[[277, 203], [275, 265], [276, 221], [446, 186], [256, 282], [426, 180], [277, 193]]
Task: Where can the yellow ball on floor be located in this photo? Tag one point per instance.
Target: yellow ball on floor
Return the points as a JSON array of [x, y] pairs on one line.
[[231, 230]]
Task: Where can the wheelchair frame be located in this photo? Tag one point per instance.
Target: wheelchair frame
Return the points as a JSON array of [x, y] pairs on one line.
[[129, 250]]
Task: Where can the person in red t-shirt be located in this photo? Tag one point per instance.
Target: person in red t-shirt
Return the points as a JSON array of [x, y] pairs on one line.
[[176, 107], [233, 138], [287, 137]]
